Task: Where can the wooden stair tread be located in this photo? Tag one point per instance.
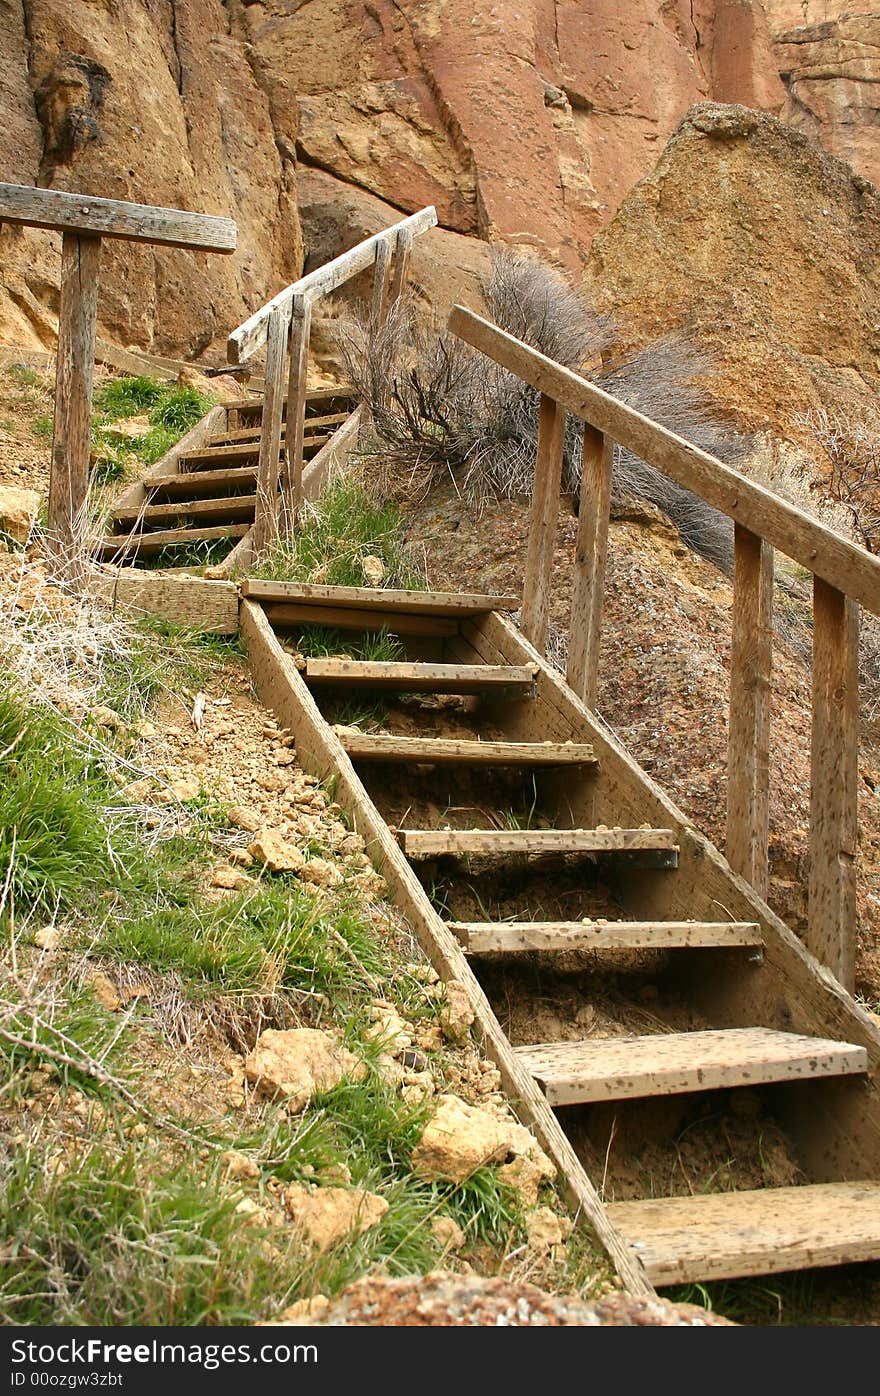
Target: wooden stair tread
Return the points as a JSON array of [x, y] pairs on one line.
[[516, 937], [619, 1068], [312, 425], [255, 404], [232, 507], [381, 746], [430, 843], [435, 603], [168, 537], [718, 1236], [202, 481], [421, 678], [284, 616], [206, 456]]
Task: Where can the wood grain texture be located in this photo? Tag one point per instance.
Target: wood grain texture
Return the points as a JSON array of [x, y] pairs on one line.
[[300, 330], [381, 272], [286, 615], [457, 751], [402, 256], [282, 689], [266, 518], [542, 524], [201, 482], [591, 554], [822, 551], [74, 374], [622, 1068], [723, 1236], [420, 678], [128, 546], [433, 843], [114, 218], [748, 758], [833, 917], [188, 601], [252, 332], [521, 937], [428, 603], [224, 508]]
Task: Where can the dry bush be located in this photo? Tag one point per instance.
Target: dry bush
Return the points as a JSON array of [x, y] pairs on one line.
[[441, 410], [851, 446]]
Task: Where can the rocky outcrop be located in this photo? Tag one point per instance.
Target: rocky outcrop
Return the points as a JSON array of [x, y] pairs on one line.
[[756, 243], [158, 104], [829, 60]]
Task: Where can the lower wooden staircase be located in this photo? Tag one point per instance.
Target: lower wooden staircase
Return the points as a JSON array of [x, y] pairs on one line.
[[538, 856], [203, 495]]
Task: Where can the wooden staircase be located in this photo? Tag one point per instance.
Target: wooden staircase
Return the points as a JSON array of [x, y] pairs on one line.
[[525, 795], [203, 494]]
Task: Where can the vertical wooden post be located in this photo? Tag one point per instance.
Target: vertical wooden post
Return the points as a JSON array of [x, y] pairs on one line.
[[542, 524], [266, 511], [748, 750], [831, 933], [401, 262], [74, 373], [380, 282], [300, 328], [591, 554]]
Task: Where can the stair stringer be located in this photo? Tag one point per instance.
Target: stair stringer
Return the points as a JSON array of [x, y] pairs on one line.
[[282, 689]]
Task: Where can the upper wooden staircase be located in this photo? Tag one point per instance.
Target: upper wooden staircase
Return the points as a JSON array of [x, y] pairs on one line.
[[527, 802]]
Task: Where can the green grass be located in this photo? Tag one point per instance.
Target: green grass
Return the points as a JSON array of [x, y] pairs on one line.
[[316, 641], [43, 426], [336, 535], [170, 411]]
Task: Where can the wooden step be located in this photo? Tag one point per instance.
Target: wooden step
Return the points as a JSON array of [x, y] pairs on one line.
[[433, 603], [453, 751], [208, 456], [720, 1236], [231, 508], [251, 433], [201, 482], [618, 1068], [142, 544], [518, 937], [315, 396], [422, 678], [282, 616], [434, 843]]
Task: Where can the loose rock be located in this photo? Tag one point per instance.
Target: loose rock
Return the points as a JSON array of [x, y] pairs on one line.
[[298, 1062], [327, 1215]]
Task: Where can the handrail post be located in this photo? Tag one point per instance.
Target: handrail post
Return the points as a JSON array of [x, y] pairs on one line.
[[380, 283], [74, 374], [594, 512], [831, 934], [748, 751], [542, 523], [300, 329], [402, 256], [266, 510]]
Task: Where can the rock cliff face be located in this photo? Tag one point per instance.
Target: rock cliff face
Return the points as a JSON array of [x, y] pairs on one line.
[[526, 123], [155, 101]]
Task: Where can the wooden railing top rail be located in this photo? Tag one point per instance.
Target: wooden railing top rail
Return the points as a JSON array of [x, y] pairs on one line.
[[250, 335], [820, 549], [111, 218]]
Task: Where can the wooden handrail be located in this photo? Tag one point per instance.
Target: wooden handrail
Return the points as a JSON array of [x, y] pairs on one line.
[[112, 218], [820, 549], [843, 574], [251, 334], [284, 325]]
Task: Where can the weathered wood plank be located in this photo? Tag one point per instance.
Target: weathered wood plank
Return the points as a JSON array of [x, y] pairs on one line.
[[114, 218], [402, 255], [284, 615], [834, 829], [822, 551], [201, 482], [420, 678], [748, 752], [431, 843], [622, 1068], [252, 333], [266, 517], [74, 374], [183, 600], [251, 435], [130, 545], [542, 524], [456, 751], [300, 330], [520, 937], [434, 603], [231, 508], [591, 553], [283, 690], [381, 272], [723, 1236]]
